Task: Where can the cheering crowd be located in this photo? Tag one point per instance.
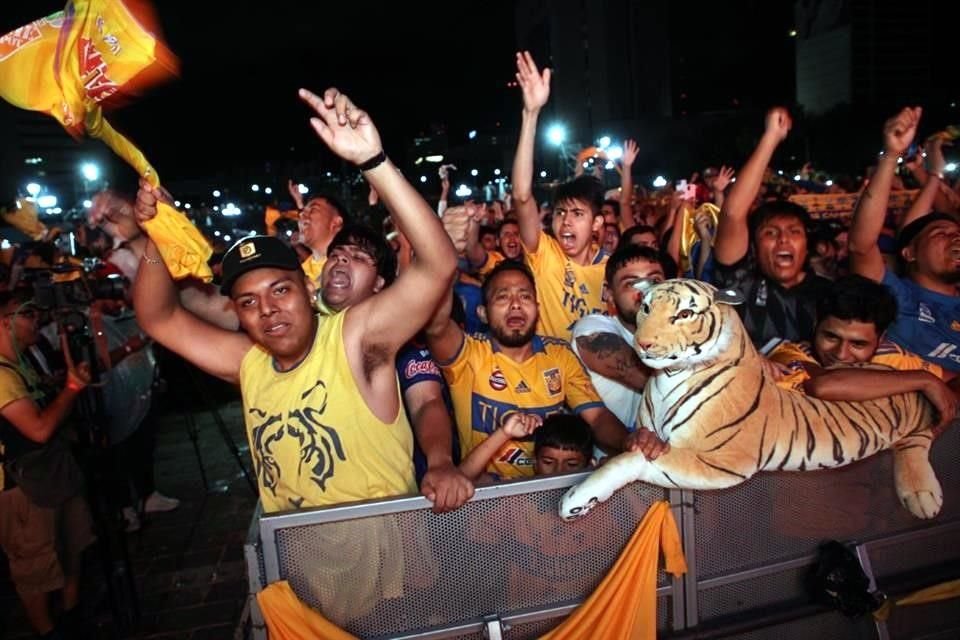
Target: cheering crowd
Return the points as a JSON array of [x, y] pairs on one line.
[[491, 342]]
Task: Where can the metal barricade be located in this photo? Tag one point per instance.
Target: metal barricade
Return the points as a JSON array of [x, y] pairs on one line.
[[505, 566], [504, 563], [749, 547]]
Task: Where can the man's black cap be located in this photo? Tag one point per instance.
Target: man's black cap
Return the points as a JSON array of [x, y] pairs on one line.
[[255, 252]]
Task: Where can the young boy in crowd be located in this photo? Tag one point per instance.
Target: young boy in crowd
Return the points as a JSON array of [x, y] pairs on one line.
[[563, 442]]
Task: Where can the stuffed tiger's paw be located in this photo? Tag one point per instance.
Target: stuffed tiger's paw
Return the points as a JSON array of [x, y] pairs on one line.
[[923, 504], [572, 506]]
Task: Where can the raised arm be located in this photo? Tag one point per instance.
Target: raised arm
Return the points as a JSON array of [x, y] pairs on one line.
[[350, 133], [926, 200], [536, 92], [213, 349], [630, 151], [733, 236], [871, 209], [718, 185]]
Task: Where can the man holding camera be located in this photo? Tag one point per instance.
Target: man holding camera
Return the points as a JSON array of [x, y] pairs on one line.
[[45, 523]]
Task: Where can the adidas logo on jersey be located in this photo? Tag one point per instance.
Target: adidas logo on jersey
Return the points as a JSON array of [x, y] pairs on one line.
[[522, 387]]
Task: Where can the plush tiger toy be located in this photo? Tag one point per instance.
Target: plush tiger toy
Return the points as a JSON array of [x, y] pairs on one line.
[[725, 419]]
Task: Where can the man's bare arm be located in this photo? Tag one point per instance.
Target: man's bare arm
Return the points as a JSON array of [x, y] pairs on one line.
[[871, 209], [733, 236], [213, 349], [610, 356], [536, 92]]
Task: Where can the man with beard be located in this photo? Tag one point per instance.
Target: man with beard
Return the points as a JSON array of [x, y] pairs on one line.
[[513, 369], [568, 267], [605, 342], [928, 307], [780, 292]]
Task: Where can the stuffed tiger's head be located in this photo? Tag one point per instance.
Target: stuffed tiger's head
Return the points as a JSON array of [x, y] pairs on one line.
[[683, 322]]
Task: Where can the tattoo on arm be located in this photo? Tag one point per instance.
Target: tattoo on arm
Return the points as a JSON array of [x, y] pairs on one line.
[[612, 349]]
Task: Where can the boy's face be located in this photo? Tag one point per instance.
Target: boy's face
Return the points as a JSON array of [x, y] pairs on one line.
[[550, 460], [574, 225]]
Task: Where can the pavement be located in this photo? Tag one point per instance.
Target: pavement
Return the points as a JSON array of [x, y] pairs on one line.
[[189, 576]]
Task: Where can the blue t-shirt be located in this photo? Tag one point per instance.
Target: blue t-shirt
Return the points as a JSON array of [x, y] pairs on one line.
[[415, 364], [928, 323]]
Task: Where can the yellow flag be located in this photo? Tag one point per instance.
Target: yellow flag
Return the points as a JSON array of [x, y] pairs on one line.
[[96, 54]]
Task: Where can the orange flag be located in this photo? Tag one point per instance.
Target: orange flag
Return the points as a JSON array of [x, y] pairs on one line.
[[624, 604], [288, 618]]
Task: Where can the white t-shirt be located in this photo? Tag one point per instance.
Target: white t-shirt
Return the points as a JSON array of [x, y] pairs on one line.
[[622, 401]]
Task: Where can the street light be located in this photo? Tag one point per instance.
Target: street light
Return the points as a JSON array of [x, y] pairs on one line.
[[615, 153], [47, 202], [436, 158], [302, 188], [216, 193], [496, 172], [474, 172], [463, 191], [543, 174], [951, 167], [659, 182], [268, 191], [255, 187], [423, 178], [87, 204], [556, 134], [603, 142], [90, 171], [33, 189]]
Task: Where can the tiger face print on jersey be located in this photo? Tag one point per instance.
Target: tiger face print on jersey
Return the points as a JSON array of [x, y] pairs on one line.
[[725, 419]]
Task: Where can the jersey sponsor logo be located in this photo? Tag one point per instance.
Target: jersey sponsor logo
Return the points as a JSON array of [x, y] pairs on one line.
[[943, 350], [522, 387], [498, 381], [515, 456], [416, 368], [487, 414], [553, 380], [924, 314]]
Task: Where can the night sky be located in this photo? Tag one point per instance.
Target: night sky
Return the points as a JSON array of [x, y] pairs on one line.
[[413, 65]]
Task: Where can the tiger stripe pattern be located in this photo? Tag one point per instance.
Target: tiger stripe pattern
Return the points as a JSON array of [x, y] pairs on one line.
[[725, 419]]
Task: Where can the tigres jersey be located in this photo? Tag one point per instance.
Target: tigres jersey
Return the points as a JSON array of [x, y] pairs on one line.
[[313, 267], [313, 440], [486, 386], [566, 291], [796, 354]]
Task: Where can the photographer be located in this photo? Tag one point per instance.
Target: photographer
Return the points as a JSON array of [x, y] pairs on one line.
[[45, 523]]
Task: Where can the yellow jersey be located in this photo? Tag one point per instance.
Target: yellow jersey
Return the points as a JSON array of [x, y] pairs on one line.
[[313, 440], [566, 290], [795, 354], [313, 267], [486, 386]]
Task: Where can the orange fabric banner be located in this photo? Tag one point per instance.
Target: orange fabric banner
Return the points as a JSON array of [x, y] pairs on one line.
[[624, 605]]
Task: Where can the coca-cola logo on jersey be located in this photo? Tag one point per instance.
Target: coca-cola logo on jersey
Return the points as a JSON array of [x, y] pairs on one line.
[[421, 367]]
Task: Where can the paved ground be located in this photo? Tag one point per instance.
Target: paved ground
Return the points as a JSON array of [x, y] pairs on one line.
[[187, 564]]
